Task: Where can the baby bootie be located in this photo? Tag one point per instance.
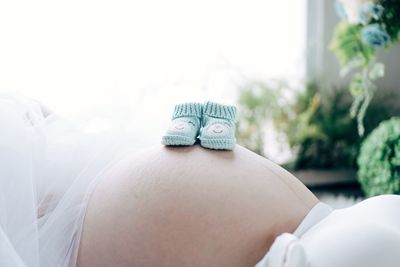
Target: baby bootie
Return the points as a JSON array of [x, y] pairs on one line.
[[218, 126], [185, 125]]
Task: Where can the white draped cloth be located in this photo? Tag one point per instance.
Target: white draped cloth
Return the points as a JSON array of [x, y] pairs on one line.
[[364, 235], [48, 168]]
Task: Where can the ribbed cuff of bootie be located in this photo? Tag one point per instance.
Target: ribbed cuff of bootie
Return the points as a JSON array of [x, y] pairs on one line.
[[188, 109], [219, 111]]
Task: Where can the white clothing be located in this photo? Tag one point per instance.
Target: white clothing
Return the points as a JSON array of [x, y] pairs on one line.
[[48, 168], [364, 235]]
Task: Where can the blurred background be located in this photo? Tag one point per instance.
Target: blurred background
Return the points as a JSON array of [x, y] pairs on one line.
[[312, 79]]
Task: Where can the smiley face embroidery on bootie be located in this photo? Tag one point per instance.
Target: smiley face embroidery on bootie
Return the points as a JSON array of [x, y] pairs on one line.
[[185, 125], [218, 126]]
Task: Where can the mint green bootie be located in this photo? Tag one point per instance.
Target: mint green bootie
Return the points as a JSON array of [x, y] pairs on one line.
[[218, 126], [185, 125]]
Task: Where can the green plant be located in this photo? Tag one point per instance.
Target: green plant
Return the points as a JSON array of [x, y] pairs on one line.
[[314, 122], [319, 130], [379, 160], [257, 103], [367, 27]]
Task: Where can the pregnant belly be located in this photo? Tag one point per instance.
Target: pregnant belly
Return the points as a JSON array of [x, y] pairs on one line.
[[190, 207]]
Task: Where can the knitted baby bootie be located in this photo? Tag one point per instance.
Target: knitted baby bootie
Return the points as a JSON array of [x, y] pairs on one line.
[[218, 126], [185, 125]]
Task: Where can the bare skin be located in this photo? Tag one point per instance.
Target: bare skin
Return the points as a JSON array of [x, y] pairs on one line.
[[172, 207]]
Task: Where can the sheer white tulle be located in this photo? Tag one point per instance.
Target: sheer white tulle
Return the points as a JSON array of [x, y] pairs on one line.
[[48, 168]]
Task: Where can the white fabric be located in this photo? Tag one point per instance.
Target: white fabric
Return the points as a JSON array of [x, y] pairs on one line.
[[276, 256], [48, 168], [364, 235]]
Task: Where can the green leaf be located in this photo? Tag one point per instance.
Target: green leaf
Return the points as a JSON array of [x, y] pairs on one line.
[[356, 85], [378, 160], [377, 71], [348, 46]]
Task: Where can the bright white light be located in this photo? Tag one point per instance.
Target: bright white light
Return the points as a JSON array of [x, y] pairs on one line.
[[129, 62]]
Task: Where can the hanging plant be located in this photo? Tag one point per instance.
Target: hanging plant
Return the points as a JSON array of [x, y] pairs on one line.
[[366, 27]]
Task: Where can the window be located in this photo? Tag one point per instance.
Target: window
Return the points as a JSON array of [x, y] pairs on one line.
[[129, 62]]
